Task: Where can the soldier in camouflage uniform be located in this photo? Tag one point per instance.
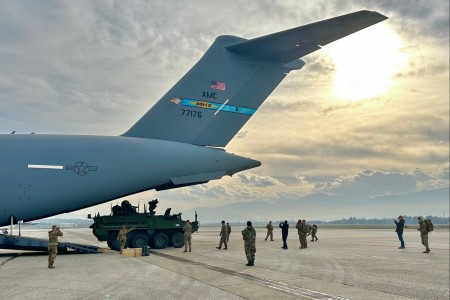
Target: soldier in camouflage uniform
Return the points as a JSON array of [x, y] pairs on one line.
[[223, 236], [313, 233], [187, 229], [249, 237], [269, 228], [228, 232], [298, 226], [423, 233], [305, 229], [53, 245], [122, 237], [302, 232]]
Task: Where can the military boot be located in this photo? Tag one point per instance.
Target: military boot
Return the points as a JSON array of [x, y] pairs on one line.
[[253, 262], [189, 249], [185, 250], [427, 250], [249, 263]]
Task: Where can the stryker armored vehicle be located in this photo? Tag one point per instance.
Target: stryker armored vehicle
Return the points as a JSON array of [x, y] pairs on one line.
[[156, 231]]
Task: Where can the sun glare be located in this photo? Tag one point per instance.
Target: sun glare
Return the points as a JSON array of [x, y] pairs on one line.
[[366, 63]]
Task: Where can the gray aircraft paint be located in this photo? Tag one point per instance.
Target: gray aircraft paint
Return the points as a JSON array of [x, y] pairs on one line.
[[44, 175]]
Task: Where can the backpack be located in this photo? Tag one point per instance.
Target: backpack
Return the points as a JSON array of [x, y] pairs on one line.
[[430, 226]]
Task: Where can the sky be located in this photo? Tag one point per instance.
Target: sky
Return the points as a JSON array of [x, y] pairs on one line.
[[366, 121]]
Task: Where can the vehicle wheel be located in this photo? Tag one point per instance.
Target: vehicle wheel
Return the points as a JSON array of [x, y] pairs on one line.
[[140, 240], [160, 241], [115, 245], [177, 240]]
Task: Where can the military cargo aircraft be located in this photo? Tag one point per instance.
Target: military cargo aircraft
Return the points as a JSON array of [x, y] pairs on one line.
[[178, 142]]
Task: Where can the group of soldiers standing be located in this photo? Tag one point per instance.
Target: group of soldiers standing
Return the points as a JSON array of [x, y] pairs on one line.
[[249, 237], [303, 230]]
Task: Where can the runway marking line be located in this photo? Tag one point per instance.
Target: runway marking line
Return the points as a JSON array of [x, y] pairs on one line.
[[276, 285]]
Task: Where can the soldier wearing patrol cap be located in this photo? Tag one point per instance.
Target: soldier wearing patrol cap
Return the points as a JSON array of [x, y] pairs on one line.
[[53, 245], [223, 236], [249, 237], [269, 228], [187, 230], [122, 237], [423, 233]]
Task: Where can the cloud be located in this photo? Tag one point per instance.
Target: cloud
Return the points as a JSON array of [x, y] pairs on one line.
[[432, 179], [258, 181], [373, 183]]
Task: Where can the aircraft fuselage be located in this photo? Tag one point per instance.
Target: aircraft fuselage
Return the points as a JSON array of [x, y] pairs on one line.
[[44, 175]]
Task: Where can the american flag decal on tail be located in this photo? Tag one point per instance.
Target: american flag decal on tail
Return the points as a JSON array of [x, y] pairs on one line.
[[217, 85]]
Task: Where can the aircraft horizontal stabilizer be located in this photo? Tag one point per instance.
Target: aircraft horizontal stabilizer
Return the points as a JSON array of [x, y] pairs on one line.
[[291, 44]]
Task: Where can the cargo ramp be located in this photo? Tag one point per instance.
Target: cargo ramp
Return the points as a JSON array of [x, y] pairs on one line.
[[36, 244]]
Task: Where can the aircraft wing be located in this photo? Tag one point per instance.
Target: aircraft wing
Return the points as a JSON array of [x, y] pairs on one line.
[[291, 44]]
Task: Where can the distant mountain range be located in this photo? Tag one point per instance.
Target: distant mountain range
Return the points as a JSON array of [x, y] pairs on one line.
[[321, 206]]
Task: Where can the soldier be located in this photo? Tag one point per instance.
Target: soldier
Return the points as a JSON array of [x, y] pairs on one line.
[[53, 245], [187, 229], [399, 229], [298, 226], [249, 237], [122, 237], [313, 233], [309, 229], [269, 231], [302, 232], [223, 236], [423, 233], [284, 233], [228, 232]]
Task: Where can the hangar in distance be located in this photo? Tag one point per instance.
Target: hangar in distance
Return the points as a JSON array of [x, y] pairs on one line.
[[179, 142]]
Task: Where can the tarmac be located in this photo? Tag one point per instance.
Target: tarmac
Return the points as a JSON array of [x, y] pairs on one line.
[[342, 264]]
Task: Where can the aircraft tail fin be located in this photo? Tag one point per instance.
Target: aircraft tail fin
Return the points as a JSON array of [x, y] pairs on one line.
[[220, 93]]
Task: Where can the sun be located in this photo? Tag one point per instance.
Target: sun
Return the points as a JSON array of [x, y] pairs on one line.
[[366, 62]]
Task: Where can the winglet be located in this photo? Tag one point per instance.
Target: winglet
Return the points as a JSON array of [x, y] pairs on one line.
[[291, 44]]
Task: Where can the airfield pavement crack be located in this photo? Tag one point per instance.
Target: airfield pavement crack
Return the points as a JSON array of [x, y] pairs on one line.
[[276, 285]]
